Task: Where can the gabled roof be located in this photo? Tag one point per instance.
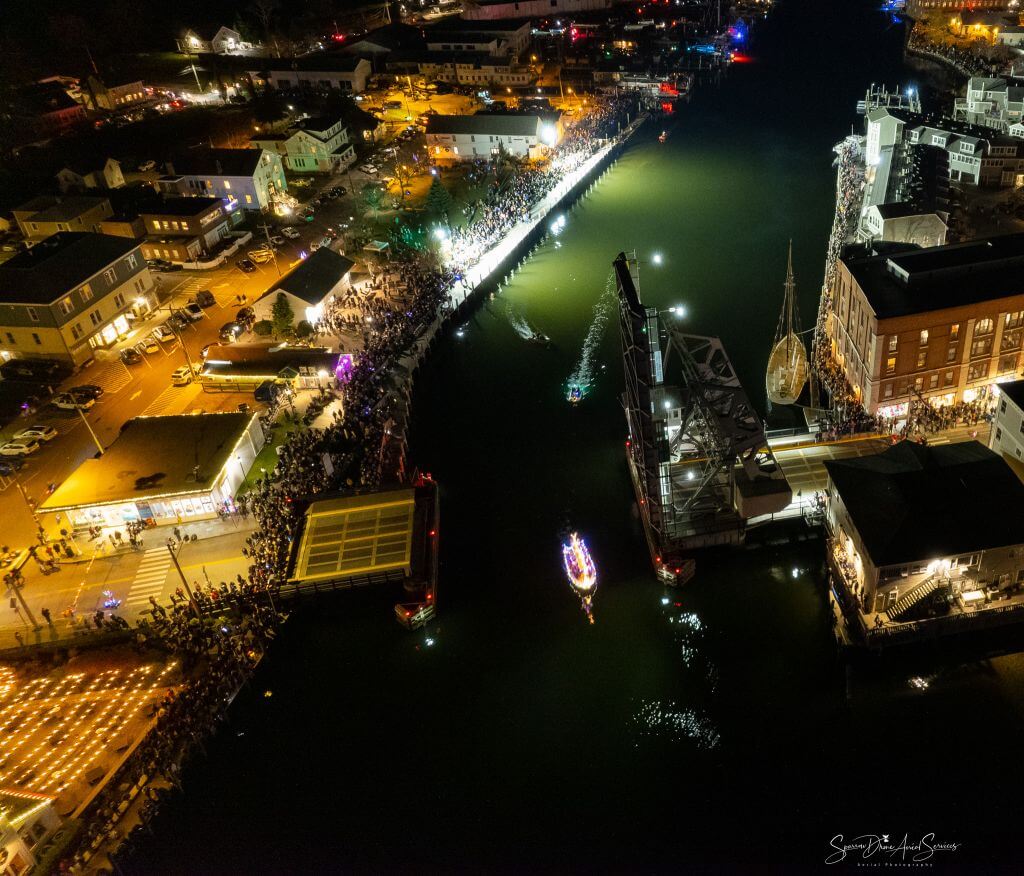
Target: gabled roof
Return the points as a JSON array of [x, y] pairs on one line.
[[218, 162], [315, 278], [56, 265], [504, 124], [187, 207], [914, 503], [318, 124], [66, 209]]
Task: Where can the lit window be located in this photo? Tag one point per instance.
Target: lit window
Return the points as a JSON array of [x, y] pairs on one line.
[[890, 365], [921, 358], [984, 327], [924, 337], [893, 341], [227, 184]]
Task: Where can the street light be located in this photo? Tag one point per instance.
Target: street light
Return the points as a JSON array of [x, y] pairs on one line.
[[656, 258]]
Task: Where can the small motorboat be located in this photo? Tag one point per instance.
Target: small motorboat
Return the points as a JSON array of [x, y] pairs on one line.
[[663, 137], [582, 573], [575, 395], [539, 338]]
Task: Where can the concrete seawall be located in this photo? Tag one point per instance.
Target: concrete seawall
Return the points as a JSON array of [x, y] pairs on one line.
[[520, 241]]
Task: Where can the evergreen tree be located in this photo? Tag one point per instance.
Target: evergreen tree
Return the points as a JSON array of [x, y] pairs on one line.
[[438, 198], [282, 315]]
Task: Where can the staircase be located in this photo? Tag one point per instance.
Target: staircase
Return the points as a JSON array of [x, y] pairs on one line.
[[911, 598]]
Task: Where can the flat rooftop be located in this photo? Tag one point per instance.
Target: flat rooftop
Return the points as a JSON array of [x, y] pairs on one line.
[[154, 456], [265, 360], [918, 280]]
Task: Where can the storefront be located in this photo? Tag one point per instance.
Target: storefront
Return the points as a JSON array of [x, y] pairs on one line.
[[162, 470]]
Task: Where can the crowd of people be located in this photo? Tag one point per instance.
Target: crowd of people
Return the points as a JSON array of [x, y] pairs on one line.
[[966, 60]]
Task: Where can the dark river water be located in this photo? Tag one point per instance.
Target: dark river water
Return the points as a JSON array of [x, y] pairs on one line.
[[714, 725]]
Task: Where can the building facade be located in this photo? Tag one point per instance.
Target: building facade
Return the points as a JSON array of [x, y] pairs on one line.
[[184, 229], [315, 145], [318, 73], [115, 97], [944, 324], [247, 178], [1007, 435], [79, 178], [990, 102], [72, 294], [493, 9], [466, 138], [47, 215], [903, 223]]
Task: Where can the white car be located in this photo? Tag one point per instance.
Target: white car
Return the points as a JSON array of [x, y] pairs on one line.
[[194, 312], [181, 376], [68, 402], [291, 233], [19, 448], [163, 333], [36, 433], [147, 166], [367, 168]]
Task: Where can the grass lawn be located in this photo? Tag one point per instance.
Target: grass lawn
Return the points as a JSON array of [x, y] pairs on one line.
[[267, 458]]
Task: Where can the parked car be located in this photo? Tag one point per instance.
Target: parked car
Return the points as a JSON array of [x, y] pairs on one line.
[[177, 321], [260, 256], [163, 334], [11, 465], [148, 345], [367, 168], [291, 233], [205, 298], [39, 433], [319, 244], [245, 265], [19, 448], [277, 240], [68, 402], [131, 356], [90, 390], [147, 166], [194, 312], [181, 376], [33, 369], [229, 332], [159, 264]]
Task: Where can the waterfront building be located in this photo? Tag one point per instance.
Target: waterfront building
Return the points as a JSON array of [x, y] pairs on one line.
[[943, 323], [990, 102], [466, 138], [245, 367], [48, 214], [922, 8], [114, 97], [480, 69], [251, 178], [492, 36], [904, 223], [72, 294], [925, 533], [491, 9], [164, 469], [313, 145], [322, 71], [1007, 435], [27, 823], [309, 286]]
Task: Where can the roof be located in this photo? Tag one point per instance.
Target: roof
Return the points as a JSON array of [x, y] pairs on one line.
[[914, 502], [503, 124], [265, 360], [17, 805], [39, 202], [177, 206], [390, 37], [918, 280], [218, 162], [498, 25], [47, 97], [357, 535], [155, 456], [318, 124], [1014, 391], [61, 262], [66, 209], [327, 62], [315, 278], [901, 209]]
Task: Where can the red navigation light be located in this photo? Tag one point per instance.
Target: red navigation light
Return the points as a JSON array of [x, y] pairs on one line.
[[338, 37], [430, 596], [739, 58], [433, 532]]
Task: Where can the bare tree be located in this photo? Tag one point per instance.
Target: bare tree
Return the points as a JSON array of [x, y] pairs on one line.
[[264, 11]]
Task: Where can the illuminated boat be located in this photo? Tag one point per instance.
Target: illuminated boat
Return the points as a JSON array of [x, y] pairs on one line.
[[582, 573], [663, 137], [575, 394], [788, 368], [539, 338]]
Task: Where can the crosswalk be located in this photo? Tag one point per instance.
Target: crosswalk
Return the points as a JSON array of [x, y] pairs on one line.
[[111, 377], [173, 400], [149, 578]]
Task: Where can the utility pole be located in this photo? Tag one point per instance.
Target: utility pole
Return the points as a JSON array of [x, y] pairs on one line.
[[15, 584], [95, 440], [184, 580], [266, 230], [184, 349]]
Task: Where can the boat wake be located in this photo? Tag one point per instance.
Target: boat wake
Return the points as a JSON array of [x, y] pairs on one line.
[[584, 374], [523, 328]]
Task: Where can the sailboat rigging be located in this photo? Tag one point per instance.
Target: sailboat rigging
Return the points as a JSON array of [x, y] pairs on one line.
[[787, 365]]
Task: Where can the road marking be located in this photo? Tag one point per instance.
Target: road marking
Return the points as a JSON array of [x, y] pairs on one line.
[[135, 395], [150, 575]]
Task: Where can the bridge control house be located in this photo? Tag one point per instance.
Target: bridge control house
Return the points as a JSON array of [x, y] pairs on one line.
[[164, 469]]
